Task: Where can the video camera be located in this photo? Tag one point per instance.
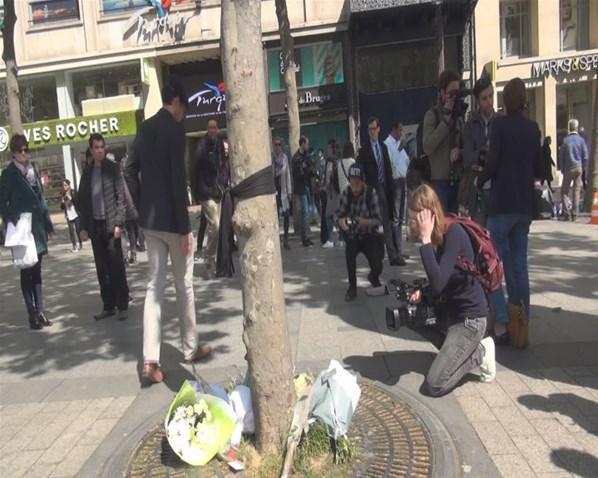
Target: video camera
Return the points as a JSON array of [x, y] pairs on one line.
[[460, 106], [408, 314]]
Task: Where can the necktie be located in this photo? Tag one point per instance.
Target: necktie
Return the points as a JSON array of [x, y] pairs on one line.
[[379, 163]]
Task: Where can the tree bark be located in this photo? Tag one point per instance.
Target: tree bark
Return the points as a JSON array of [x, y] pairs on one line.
[[290, 69], [592, 172], [9, 57], [255, 221]]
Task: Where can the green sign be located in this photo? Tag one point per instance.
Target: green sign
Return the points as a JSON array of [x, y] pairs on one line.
[[74, 130]]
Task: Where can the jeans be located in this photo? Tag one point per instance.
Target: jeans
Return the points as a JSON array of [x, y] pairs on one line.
[[509, 232], [447, 194], [324, 229], [572, 175], [460, 353], [305, 212], [372, 246], [31, 287], [211, 210], [159, 246], [74, 232], [386, 225], [399, 212]]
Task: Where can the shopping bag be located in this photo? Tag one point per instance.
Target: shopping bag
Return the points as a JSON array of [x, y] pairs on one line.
[[22, 243], [194, 439], [335, 397]]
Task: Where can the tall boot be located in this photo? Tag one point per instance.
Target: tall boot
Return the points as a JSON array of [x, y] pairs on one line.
[[39, 305], [518, 326], [34, 322]]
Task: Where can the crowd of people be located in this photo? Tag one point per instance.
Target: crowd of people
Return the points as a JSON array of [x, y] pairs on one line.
[[467, 166]]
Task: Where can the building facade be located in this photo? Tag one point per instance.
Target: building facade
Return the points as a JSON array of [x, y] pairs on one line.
[[552, 45]]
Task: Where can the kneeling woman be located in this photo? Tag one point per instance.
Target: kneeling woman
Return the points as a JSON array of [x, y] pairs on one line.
[[461, 300]]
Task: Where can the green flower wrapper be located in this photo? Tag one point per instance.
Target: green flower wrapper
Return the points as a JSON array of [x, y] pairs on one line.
[[219, 429]]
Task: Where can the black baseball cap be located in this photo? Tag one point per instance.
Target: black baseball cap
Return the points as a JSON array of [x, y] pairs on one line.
[[356, 171]]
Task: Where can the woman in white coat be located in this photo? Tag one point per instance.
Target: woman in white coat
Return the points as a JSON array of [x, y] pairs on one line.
[[284, 188]]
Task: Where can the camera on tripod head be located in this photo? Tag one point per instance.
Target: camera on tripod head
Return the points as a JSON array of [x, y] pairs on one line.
[[407, 313]]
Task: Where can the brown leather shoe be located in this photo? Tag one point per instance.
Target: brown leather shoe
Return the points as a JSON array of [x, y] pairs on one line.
[[151, 374], [201, 352]]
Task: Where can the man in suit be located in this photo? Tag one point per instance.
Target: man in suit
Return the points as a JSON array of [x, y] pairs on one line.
[[102, 218], [373, 156], [159, 160]]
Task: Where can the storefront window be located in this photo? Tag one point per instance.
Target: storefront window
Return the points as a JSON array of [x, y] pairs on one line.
[[1, 13], [54, 10], [116, 6], [318, 64], [574, 24], [37, 97], [402, 66], [514, 28], [105, 83], [573, 101]]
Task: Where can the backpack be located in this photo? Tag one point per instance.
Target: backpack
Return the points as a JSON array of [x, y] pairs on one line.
[[419, 170], [486, 265]]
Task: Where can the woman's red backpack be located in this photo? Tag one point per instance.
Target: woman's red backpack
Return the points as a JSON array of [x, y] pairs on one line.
[[486, 265]]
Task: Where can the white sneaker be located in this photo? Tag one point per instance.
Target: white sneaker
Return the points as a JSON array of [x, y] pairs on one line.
[[376, 291], [328, 245], [488, 365]]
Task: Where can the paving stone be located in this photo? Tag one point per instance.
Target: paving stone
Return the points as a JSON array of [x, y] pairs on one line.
[[511, 382], [475, 409], [60, 448], [494, 395], [15, 465], [588, 440], [98, 431], [76, 458], [538, 454], [579, 462], [469, 389], [555, 434], [117, 407], [495, 438], [513, 466], [513, 421], [40, 470]]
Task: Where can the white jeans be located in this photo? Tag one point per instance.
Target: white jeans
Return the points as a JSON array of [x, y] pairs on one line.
[[211, 210], [159, 246]]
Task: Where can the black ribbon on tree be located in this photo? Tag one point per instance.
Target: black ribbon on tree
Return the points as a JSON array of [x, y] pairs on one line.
[[258, 184]]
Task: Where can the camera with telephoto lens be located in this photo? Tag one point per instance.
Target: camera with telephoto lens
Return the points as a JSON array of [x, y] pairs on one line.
[[353, 226], [408, 314], [460, 107]]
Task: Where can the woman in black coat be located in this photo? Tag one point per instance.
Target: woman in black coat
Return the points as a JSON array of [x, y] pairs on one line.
[[20, 192]]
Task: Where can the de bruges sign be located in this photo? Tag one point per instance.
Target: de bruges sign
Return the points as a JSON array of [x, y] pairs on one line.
[[559, 66]]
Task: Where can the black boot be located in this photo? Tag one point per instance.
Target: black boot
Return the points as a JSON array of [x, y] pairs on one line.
[[44, 320], [132, 257], [34, 322]]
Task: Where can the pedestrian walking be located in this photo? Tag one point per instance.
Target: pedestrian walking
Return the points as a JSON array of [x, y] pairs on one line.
[[374, 159], [284, 187], [68, 201], [159, 160], [302, 168], [102, 207], [399, 162], [513, 163], [21, 192], [573, 159], [211, 177]]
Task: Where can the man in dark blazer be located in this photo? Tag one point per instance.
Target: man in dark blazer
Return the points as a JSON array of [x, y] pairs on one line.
[[157, 166], [373, 156], [102, 215]]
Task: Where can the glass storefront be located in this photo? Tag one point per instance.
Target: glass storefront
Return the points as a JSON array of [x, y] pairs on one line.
[[318, 134], [38, 99], [574, 100]]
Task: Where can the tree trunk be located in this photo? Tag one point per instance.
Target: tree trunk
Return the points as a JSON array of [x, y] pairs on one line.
[[592, 172], [8, 55], [265, 328], [290, 69]]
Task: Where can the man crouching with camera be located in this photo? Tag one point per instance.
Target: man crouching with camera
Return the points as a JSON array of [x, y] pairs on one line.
[[360, 220], [459, 296]]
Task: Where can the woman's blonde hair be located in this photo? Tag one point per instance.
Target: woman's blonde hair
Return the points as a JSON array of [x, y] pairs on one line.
[[424, 197]]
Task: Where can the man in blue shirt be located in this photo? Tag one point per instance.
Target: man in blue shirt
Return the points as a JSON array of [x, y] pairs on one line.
[[573, 157]]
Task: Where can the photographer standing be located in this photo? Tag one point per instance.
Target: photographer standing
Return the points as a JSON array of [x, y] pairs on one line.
[[459, 294], [440, 141], [360, 219], [476, 142]]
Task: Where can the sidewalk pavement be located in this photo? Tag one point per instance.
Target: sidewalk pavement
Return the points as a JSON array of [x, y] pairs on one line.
[[71, 405]]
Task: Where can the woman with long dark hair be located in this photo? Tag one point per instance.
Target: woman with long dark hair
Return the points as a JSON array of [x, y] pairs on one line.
[[21, 192]]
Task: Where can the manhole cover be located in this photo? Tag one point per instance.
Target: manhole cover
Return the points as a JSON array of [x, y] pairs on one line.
[[391, 440]]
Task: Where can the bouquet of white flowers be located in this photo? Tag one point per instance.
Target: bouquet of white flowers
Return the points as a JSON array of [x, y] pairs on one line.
[[198, 426]]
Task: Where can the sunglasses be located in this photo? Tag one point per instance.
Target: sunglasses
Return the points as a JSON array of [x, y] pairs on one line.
[[23, 150]]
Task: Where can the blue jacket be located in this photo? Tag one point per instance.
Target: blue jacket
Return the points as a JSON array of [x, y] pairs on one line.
[[573, 153]]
